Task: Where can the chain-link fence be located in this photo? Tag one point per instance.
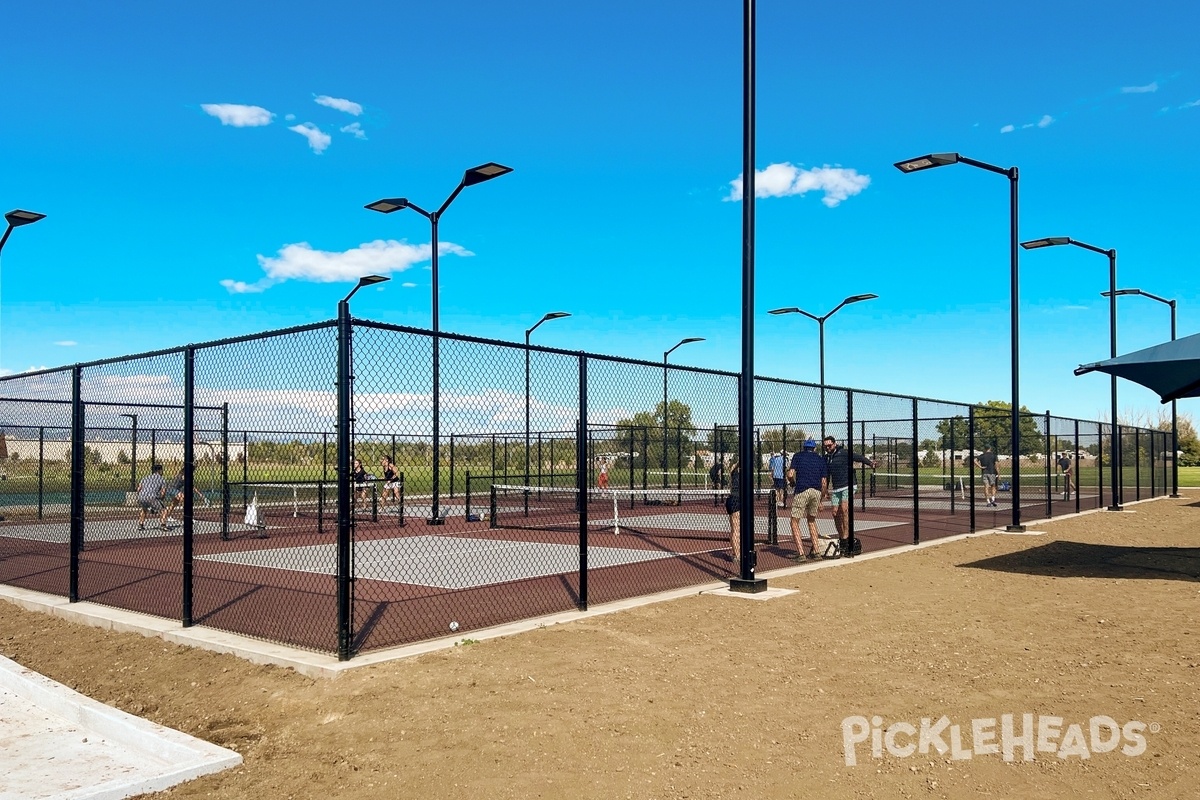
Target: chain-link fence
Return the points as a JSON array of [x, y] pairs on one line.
[[293, 486]]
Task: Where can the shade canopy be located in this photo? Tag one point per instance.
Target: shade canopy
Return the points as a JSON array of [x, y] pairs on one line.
[[1171, 369]]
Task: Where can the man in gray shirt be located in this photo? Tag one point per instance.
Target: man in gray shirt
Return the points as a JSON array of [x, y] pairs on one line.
[[150, 497]]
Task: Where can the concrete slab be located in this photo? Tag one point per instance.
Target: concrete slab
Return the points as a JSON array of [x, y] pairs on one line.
[[57, 743]]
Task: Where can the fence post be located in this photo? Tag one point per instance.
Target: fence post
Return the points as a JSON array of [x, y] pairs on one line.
[[189, 475], [851, 488], [916, 472], [41, 468], [1075, 469], [77, 476], [581, 481], [451, 462], [971, 462], [345, 499], [224, 468], [1049, 465], [1137, 465]]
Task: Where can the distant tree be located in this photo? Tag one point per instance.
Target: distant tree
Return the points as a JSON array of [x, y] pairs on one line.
[[1189, 443]]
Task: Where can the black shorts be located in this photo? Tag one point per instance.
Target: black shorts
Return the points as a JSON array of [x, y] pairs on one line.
[[732, 505]]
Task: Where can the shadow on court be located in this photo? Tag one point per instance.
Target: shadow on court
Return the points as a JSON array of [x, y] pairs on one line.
[[1079, 560]]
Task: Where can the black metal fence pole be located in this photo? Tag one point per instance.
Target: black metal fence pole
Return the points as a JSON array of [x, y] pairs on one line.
[[1049, 468], [1137, 466], [581, 481], [916, 474], [189, 476], [971, 460], [225, 462], [77, 477], [953, 483], [344, 520], [41, 469], [451, 464], [852, 488]]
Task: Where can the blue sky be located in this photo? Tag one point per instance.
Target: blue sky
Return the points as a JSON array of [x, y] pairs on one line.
[[204, 169]]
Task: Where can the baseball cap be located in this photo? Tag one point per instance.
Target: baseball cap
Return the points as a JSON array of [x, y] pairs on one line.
[[810, 444]]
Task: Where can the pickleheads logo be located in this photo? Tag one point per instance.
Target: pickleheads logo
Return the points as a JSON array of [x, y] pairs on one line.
[[1027, 734]]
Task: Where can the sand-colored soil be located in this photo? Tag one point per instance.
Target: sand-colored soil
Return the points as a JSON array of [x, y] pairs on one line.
[[713, 697]]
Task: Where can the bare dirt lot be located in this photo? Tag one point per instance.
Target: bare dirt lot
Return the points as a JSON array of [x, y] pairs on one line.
[[1093, 622]]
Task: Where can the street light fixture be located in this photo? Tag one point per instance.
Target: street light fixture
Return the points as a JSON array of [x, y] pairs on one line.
[[473, 176], [1174, 415], [1056, 241], [1013, 175], [528, 333], [855, 298], [16, 218], [682, 342], [133, 450], [345, 442]]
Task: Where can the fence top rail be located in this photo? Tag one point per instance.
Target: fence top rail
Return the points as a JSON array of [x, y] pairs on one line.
[[178, 350]]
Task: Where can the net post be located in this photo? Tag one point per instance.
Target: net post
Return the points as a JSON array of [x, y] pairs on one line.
[[467, 497], [953, 484], [772, 521], [451, 460], [492, 508], [320, 506], [375, 501]]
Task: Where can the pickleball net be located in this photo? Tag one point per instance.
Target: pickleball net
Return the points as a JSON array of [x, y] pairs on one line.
[[309, 502], [667, 513]]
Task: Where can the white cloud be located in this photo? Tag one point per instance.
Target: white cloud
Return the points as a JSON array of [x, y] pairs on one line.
[[1046, 121], [66, 343], [355, 130], [1149, 87], [340, 104], [1008, 129], [407, 285], [301, 262], [784, 179], [1192, 104], [290, 117], [317, 139], [237, 115]]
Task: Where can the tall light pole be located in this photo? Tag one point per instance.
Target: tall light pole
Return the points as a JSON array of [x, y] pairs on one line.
[[528, 333], [484, 172], [855, 298], [1056, 241], [1174, 415], [344, 444], [682, 342], [1013, 174], [133, 451]]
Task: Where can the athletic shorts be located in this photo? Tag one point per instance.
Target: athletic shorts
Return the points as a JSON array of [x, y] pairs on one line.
[[780, 483], [839, 496], [989, 479], [152, 506], [806, 503], [732, 506]]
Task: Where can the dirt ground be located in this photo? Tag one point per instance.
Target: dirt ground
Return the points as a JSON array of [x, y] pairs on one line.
[[1093, 622]]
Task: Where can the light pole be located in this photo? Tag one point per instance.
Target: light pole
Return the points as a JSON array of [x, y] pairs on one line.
[[133, 451], [1174, 415], [545, 318], [484, 172], [344, 444], [1013, 174], [682, 342], [1056, 241], [856, 298]]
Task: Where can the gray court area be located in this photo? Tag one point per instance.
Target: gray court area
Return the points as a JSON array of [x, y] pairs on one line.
[[960, 505], [445, 562], [112, 530]]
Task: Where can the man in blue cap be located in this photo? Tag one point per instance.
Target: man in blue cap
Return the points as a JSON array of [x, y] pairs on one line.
[[809, 475]]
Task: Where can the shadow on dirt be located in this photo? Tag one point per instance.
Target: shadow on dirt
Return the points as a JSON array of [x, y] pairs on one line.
[[1066, 559]]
